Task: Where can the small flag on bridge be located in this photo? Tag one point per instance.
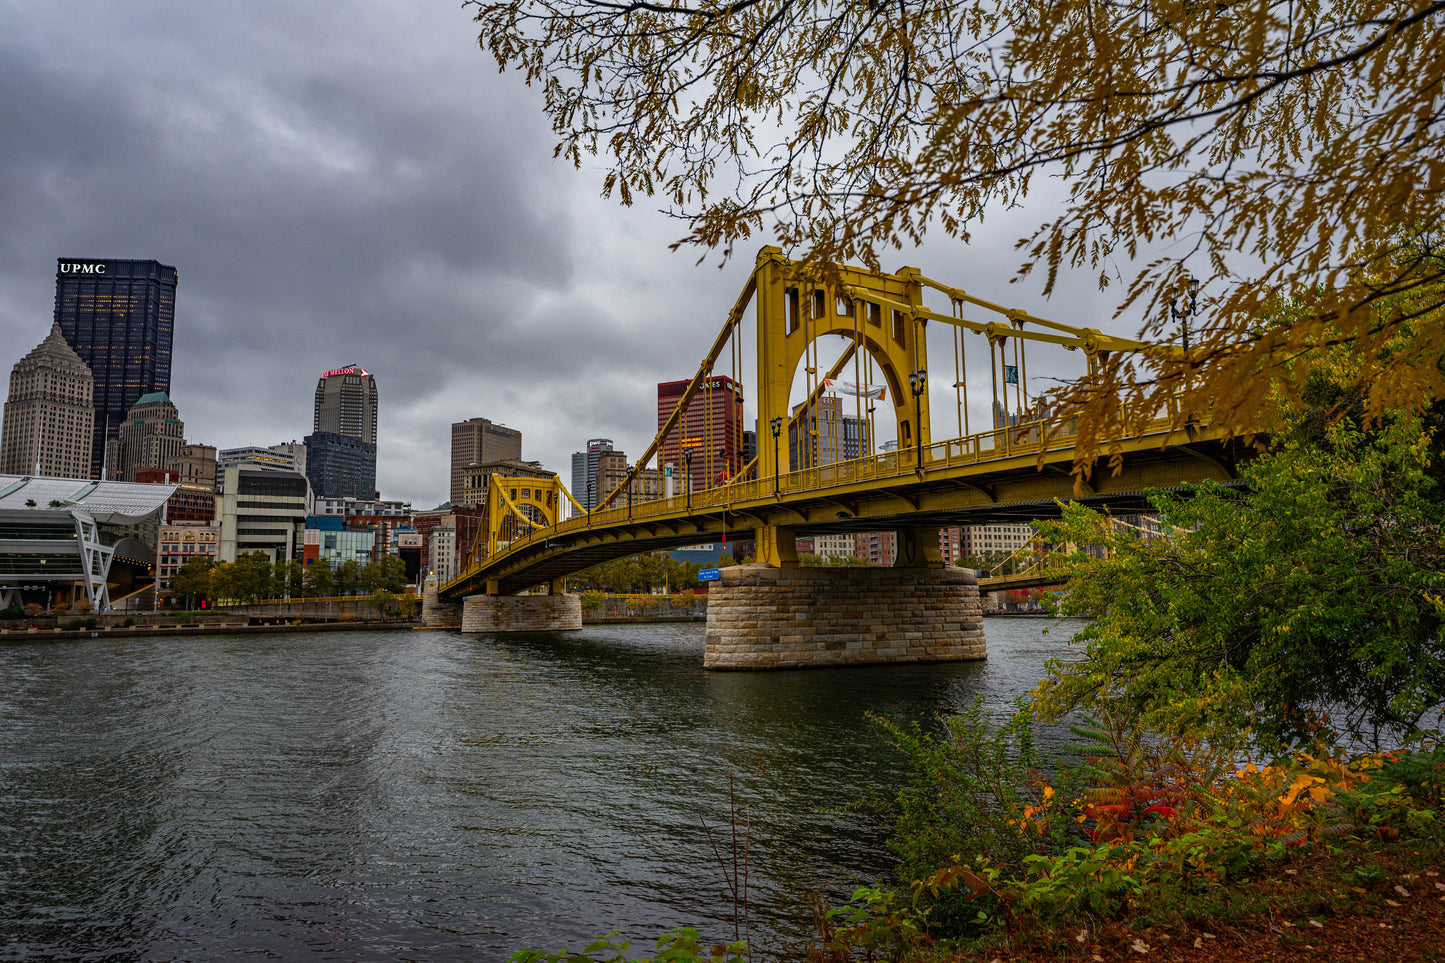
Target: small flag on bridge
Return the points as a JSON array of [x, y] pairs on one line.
[[1010, 374], [849, 388]]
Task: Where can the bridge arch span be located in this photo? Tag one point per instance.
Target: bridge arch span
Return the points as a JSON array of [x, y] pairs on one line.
[[796, 310]]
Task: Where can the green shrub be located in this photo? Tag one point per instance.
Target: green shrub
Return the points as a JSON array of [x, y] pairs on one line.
[[970, 788], [678, 946], [1144, 823], [975, 802]]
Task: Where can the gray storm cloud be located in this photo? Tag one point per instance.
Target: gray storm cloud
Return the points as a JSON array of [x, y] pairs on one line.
[[360, 184]]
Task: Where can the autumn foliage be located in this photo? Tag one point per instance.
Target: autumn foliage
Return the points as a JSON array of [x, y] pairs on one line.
[[1143, 826], [1291, 156]]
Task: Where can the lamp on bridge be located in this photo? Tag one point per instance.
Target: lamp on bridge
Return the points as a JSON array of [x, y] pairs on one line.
[[777, 425], [687, 457], [1181, 313], [918, 384]]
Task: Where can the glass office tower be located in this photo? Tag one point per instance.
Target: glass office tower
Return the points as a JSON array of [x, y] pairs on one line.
[[340, 466], [118, 315]]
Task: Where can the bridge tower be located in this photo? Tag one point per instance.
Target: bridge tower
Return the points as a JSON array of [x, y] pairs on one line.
[[794, 310], [774, 614], [517, 506]]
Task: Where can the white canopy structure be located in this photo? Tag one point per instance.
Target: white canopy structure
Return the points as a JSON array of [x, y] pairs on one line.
[[53, 532]]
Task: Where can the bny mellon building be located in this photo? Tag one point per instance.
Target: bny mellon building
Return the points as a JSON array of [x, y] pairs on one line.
[[49, 417], [346, 403], [341, 449]]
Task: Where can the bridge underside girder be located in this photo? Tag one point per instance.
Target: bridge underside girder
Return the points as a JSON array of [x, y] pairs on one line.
[[1008, 490]]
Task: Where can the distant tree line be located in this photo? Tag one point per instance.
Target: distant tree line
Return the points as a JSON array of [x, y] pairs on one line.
[[638, 574], [254, 576]]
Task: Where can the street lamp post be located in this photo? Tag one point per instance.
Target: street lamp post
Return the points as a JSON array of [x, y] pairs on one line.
[[687, 473], [918, 384], [777, 425], [1181, 313]]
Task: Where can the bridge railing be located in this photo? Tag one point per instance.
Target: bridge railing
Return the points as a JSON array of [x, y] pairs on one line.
[[1028, 438]]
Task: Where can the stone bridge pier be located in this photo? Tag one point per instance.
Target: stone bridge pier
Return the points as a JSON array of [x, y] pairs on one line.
[[781, 616], [521, 613], [435, 613], [501, 613]]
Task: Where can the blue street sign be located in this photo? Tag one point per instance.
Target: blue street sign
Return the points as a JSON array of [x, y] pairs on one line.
[[709, 575]]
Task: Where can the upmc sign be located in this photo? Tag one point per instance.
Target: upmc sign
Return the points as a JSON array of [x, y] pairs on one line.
[[82, 267]]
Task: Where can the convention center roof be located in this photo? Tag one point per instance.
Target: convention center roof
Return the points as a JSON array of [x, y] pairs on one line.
[[108, 502]]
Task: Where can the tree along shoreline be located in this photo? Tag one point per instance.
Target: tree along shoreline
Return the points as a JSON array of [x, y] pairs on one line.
[[168, 626]]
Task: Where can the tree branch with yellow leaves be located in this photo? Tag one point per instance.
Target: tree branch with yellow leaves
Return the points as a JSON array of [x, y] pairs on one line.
[[1292, 153]]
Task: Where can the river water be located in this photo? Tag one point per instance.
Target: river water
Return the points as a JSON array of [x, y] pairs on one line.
[[425, 795]]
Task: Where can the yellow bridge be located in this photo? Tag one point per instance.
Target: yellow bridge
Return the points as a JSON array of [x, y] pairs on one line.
[[1014, 470]]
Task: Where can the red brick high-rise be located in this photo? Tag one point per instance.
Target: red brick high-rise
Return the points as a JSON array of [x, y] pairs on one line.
[[711, 428]]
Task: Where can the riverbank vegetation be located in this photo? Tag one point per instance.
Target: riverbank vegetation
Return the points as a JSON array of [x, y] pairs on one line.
[[637, 574], [1252, 722], [254, 576], [659, 571]]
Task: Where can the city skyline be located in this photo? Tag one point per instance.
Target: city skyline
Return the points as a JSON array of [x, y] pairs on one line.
[[390, 199]]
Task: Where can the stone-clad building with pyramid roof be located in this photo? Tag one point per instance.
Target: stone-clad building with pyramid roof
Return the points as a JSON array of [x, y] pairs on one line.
[[49, 413], [151, 436]]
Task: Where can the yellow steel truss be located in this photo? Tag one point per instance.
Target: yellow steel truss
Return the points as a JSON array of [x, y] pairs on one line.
[[517, 505], [880, 316]]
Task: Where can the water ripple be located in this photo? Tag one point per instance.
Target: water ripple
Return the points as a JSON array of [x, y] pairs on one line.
[[428, 795]]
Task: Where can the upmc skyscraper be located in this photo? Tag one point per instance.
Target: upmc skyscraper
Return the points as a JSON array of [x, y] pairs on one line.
[[118, 316]]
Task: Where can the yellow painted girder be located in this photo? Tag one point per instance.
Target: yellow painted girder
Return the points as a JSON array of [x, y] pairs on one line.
[[1014, 452], [874, 492], [704, 371], [1090, 339]]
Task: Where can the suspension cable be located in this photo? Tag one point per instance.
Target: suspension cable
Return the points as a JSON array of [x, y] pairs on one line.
[[960, 373], [857, 375], [1019, 400]]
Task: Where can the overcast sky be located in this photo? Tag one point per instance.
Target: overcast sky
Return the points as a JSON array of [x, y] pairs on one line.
[[357, 183]]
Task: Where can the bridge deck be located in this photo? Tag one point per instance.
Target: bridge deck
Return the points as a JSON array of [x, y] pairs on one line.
[[1012, 474]]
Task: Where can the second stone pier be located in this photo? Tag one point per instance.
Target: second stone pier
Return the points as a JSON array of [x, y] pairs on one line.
[[521, 613], [762, 617]]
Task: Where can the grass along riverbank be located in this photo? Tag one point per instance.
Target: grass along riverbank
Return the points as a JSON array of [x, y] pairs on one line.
[[1147, 849]]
